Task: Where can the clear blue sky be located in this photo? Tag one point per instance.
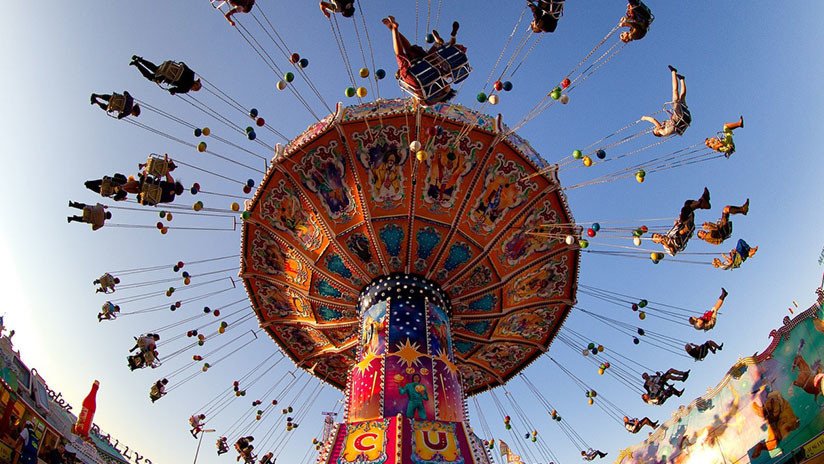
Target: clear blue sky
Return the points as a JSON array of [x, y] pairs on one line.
[[755, 58]]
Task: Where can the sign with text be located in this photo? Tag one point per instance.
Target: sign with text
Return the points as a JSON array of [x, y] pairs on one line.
[[435, 442], [365, 443]]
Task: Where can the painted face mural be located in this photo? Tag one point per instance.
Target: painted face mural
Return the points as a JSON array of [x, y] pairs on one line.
[[323, 173], [383, 152], [447, 169], [283, 209], [503, 189]]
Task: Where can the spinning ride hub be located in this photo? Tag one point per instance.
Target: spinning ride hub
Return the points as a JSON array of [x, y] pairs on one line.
[[405, 398], [406, 365], [478, 214]]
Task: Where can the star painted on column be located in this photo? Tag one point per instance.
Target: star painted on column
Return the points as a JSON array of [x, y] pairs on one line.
[[366, 362], [450, 366], [409, 353]]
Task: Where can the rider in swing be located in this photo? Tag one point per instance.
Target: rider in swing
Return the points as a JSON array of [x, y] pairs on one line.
[[408, 54]]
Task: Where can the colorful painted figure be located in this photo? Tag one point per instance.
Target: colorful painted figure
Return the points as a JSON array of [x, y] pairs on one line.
[[385, 173], [807, 379], [325, 177], [416, 394], [445, 172], [780, 419]]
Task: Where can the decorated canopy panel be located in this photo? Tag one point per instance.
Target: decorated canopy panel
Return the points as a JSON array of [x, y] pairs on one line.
[[348, 201]]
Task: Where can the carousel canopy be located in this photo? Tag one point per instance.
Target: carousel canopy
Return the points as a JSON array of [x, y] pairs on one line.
[[389, 187]]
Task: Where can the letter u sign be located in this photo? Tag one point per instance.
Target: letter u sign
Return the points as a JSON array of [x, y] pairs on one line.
[[439, 443]]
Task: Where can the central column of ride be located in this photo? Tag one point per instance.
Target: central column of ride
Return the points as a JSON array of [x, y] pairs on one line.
[[405, 400]]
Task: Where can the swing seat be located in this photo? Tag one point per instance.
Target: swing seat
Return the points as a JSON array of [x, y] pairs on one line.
[[150, 194], [435, 73], [218, 4], [642, 14], [106, 280], [106, 187], [157, 166], [457, 61], [554, 8], [117, 103], [678, 239], [170, 71], [136, 362]]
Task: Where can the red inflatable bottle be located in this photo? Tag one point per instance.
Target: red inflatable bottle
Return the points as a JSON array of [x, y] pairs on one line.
[[86, 417]]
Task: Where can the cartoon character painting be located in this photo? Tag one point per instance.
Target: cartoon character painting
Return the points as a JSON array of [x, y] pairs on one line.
[[273, 258], [279, 302], [504, 189], [526, 240], [416, 394], [447, 168], [544, 282], [808, 379], [374, 328], [284, 210], [382, 151], [323, 173], [781, 420], [529, 325]]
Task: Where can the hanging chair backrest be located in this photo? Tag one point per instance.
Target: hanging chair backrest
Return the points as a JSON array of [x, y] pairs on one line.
[[157, 166], [170, 71], [430, 83], [150, 194], [106, 187], [435, 72], [117, 103], [643, 14], [454, 63], [106, 280], [217, 4], [554, 8], [679, 239]]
